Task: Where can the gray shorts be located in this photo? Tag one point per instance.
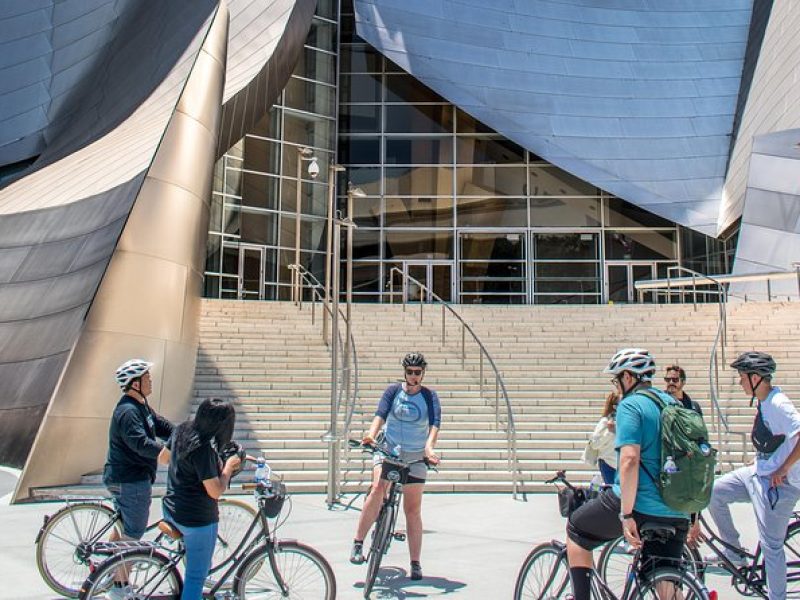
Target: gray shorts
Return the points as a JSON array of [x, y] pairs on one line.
[[418, 472], [132, 500]]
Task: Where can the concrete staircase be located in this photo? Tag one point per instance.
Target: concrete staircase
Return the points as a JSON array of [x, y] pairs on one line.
[[270, 360]]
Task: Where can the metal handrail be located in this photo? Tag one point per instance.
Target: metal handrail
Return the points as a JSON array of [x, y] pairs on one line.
[[726, 278], [500, 386], [720, 339], [351, 366]]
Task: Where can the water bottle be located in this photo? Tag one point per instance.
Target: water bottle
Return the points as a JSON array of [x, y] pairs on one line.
[[670, 466], [705, 449], [262, 473]]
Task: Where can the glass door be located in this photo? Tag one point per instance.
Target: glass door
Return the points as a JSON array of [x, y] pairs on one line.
[[435, 276], [621, 277], [251, 272]]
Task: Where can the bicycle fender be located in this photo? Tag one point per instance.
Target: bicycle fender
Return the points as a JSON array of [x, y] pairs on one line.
[[41, 529], [559, 544], [279, 543]]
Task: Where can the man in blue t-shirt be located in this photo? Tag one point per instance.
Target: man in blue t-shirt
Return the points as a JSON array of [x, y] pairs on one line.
[[410, 416], [634, 498]]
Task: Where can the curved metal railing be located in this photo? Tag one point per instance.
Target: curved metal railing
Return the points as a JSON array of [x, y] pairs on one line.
[[349, 371], [500, 386], [720, 339]]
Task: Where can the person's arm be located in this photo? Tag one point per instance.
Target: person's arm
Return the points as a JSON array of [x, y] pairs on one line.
[[163, 427], [135, 435], [430, 445], [374, 429], [628, 469], [216, 486], [599, 431], [780, 474], [163, 456]]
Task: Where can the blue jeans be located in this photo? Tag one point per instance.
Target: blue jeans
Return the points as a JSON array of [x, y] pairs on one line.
[[132, 500], [606, 471], [199, 542]]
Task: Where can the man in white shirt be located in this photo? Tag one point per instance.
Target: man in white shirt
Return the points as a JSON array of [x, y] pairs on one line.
[[772, 484]]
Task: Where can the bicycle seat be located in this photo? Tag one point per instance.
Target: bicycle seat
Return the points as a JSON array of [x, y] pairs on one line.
[[170, 530], [656, 531]]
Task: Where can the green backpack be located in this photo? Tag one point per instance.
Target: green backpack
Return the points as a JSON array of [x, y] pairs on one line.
[[687, 476]]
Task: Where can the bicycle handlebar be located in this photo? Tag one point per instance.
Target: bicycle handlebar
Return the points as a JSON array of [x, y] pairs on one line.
[[389, 456]]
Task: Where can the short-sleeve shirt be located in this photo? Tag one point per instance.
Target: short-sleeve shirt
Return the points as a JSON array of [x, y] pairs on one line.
[[187, 502], [639, 424], [407, 420], [782, 418]]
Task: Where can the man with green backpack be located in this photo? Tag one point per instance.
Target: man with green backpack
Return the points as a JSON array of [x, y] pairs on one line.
[[665, 473]]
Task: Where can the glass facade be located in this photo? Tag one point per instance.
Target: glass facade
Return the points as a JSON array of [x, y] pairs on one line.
[[446, 200]]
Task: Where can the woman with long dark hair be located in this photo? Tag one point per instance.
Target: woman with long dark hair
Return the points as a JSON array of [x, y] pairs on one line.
[[196, 480]]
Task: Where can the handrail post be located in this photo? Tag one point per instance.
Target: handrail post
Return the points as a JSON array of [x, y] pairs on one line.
[[421, 304], [444, 333], [481, 376], [769, 291], [333, 446], [313, 306], [463, 345], [497, 401], [391, 286], [694, 292], [301, 283]]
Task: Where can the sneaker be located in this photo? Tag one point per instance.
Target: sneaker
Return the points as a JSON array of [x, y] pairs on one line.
[[416, 570], [357, 554], [120, 592], [713, 560]]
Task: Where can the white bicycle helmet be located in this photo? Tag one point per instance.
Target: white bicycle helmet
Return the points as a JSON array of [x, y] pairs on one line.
[[635, 360], [130, 370]]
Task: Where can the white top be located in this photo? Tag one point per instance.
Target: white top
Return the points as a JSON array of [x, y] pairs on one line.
[[781, 416], [602, 440]]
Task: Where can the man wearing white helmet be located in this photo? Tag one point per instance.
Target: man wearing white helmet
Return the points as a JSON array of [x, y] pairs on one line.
[[635, 497], [133, 447]]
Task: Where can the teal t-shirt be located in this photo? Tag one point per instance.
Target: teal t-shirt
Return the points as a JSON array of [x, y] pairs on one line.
[[639, 424]]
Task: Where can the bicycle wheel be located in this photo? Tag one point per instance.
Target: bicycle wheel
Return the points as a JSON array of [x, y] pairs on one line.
[[235, 518], [544, 575], [670, 584], [62, 570], [379, 546], [304, 570], [149, 575], [616, 558]]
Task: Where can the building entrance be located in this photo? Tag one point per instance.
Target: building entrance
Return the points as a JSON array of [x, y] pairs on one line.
[[251, 272], [621, 275], [437, 276]]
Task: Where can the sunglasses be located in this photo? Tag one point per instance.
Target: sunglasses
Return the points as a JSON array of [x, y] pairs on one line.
[[672, 379], [413, 371]]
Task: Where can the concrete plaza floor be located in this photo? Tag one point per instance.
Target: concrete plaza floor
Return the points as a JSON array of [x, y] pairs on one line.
[[473, 547]]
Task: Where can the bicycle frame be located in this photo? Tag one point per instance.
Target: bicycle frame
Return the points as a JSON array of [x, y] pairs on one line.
[[391, 503]]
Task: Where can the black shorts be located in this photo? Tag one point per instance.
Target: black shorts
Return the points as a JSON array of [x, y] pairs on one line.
[[597, 522], [405, 477]]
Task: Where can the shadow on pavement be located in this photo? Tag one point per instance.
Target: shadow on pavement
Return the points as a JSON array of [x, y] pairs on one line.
[[393, 583]]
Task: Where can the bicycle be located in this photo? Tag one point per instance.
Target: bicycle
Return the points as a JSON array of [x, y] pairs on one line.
[[383, 531], [63, 542], [748, 579], [262, 566], [544, 574]]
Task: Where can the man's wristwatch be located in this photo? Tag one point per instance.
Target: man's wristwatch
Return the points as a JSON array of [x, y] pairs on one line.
[[625, 517]]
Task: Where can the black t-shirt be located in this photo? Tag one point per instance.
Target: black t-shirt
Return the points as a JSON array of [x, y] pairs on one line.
[[691, 404], [186, 501]]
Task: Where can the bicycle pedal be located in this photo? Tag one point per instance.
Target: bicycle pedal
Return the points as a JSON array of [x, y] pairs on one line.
[[400, 537]]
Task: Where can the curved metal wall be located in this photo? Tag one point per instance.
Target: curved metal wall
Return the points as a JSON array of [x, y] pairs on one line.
[[636, 97]]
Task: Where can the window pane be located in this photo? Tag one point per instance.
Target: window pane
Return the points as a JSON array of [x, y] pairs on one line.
[[640, 245], [367, 178], [492, 246], [418, 181], [231, 220], [314, 197], [312, 235], [290, 165], [566, 299], [326, 8], [492, 212], [360, 118], [259, 227], [313, 64], [484, 181], [410, 118], [422, 244], [565, 212], [419, 212], [261, 155], [215, 213], [573, 246], [366, 211], [360, 59], [419, 151], [322, 35], [360, 88], [404, 88], [308, 130], [213, 253], [359, 151], [230, 260], [309, 96], [259, 190], [233, 182], [269, 125], [512, 274], [624, 214], [467, 124], [480, 150], [366, 277], [366, 244], [552, 181]]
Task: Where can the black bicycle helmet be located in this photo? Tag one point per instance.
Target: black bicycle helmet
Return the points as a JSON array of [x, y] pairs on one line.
[[414, 359], [758, 363]]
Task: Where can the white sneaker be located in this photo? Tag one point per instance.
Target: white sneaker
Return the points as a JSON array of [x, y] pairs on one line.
[[120, 593], [713, 560]]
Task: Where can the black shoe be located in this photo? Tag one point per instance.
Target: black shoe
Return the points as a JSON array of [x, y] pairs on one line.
[[357, 554], [416, 570]]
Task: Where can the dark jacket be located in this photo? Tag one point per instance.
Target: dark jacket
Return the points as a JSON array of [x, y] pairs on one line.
[[691, 404], [133, 444]]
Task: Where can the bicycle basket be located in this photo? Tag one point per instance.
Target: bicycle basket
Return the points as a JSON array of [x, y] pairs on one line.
[[273, 504]]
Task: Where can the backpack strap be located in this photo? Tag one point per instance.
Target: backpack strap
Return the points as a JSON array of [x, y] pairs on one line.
[[660, 404], [428, 395]]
